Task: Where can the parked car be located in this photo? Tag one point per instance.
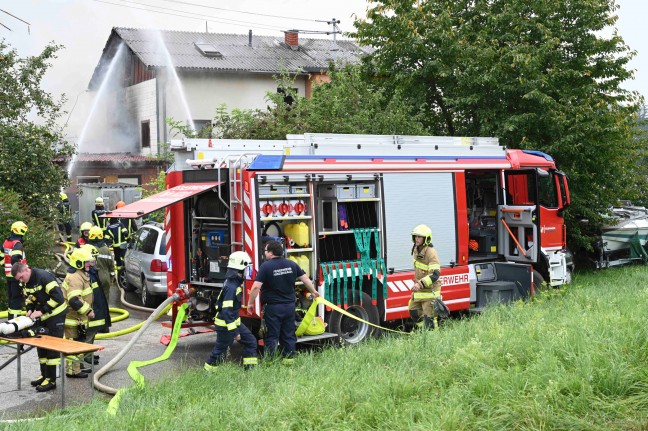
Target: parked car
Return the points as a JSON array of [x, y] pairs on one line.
[[145, 264]]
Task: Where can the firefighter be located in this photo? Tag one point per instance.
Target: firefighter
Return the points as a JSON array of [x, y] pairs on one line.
[[427, 270], [118, 233], [276, 282], [105, 262], [101, 322], [78, 294], [14, 252], [129, 223], [65, 217], [227, 320], [45, 301], [84, 233], [97, 212]]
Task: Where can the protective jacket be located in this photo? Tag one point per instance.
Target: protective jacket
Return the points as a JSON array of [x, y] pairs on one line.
[[99, 304], [43, 293], [427, 269], [101, 222], [64, 210], [105, 266], [13, 252], [78, 293], [229, 302], [118, 233]]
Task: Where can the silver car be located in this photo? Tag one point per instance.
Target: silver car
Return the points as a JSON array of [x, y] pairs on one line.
[[145, 264]]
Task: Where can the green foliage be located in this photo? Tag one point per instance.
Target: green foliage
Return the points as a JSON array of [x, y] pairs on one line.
[[156, 186], [38, 240], [573, 361], [536, 74], [29, 147]]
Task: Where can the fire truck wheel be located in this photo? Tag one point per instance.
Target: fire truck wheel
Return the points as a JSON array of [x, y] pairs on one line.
[[351, 330], [538, 281]]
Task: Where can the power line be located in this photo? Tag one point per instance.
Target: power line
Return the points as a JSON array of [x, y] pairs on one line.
[[237, 11], [19, 19], [201, 18]]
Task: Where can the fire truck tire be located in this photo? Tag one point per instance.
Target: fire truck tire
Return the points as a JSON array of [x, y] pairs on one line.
[[538, 281], [352, 331]]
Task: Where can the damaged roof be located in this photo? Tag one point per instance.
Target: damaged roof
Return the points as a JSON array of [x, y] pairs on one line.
[[229, 52]]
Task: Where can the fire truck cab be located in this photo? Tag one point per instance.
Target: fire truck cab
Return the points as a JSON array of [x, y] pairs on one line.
[[344, 207]]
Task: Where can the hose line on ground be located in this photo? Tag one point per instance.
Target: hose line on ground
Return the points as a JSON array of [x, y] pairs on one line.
[[160, 311]]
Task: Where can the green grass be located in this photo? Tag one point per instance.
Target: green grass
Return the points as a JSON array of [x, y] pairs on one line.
[[574, 359]]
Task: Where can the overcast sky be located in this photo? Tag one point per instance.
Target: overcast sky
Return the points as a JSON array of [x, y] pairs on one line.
[[83, 27]]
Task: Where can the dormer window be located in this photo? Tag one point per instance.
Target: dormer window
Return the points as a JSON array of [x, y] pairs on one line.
[[208, 50]]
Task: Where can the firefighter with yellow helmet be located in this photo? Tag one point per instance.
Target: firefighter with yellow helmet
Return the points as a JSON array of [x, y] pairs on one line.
[[77, 289], [427, 273]]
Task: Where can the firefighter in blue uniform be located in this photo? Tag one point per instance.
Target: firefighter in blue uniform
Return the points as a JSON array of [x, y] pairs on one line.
[[14, 252], [96, 214], [228, 323], [65, 216], [45, 301], [276, 282]]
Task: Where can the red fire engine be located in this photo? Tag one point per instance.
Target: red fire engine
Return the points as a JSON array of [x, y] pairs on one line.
[[345, 205]]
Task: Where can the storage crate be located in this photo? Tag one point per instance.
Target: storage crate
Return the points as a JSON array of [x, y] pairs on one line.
[[298, 190], [365, 191], [271, 189], [345, 192]]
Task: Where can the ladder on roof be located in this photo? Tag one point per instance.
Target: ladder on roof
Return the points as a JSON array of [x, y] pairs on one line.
[[321, 144]]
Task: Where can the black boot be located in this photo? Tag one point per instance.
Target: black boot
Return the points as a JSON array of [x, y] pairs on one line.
[[42, 377], [47, 385], [428, 323]]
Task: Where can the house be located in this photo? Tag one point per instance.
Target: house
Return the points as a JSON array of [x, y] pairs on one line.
[[187, 76], [146, 76]]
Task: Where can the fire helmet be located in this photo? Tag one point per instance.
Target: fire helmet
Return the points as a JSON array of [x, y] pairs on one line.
[[86, 225], [99, 201], [424, 231], [92, 250], [79, 257], [95, 233], [63, 196], [19, 228], [239, 260], [120, 204]]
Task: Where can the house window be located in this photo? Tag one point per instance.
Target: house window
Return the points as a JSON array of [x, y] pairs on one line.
[[146, 134], [201, 125], [88, 180], [134, 180], [208, 50], [288, 98]]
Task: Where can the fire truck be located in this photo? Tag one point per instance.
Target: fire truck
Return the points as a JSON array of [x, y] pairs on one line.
[[344, 207]]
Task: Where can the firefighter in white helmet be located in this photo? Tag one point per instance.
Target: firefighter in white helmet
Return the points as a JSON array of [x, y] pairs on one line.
[[97, 212], [427, 272], [228, 323]]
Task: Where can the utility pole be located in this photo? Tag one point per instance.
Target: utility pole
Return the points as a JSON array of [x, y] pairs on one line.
[[334, 22]]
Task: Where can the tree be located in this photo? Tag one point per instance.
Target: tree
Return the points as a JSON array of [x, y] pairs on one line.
[[30, 147], [536, 74]]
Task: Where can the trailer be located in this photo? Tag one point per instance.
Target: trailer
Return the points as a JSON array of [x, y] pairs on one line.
[[344, 207]]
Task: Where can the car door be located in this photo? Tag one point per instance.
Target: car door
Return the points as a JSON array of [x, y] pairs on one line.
[[134, 257]]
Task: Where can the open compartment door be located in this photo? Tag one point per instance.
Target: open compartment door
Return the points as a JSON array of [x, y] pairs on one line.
[[161, 200], [518, 217]]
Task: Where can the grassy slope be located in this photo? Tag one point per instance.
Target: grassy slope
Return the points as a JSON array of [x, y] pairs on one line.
[[574, 360]]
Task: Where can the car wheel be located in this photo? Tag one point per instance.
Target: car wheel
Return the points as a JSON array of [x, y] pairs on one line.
[[148, 300], [123, 283], [353, 331]]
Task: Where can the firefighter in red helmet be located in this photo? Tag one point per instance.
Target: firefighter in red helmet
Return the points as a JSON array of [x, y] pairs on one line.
[[427, 272], [14, 252]]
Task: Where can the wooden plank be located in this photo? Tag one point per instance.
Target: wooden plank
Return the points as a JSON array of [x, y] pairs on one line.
[[61, 345]]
